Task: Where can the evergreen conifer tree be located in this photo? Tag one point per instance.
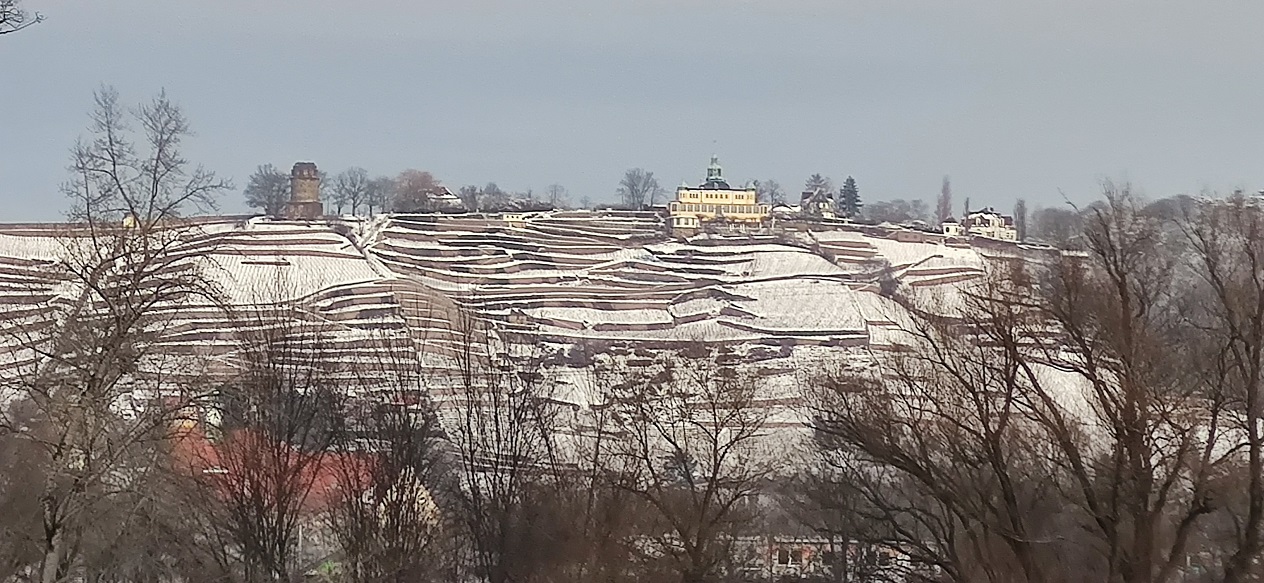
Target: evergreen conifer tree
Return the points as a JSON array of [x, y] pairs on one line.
[[849, 204]]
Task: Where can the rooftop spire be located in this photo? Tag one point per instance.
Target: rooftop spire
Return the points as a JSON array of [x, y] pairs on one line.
[[714, 172]]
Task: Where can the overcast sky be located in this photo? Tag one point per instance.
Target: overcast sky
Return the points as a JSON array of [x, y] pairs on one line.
[[1012, 99]]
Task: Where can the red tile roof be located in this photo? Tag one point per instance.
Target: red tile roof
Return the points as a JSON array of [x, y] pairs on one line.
[[214, 461]]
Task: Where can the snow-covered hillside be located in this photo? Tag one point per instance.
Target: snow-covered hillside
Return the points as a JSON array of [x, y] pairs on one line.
[[607, 281]]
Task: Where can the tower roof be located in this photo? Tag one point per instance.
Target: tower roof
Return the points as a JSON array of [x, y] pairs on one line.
[[715, 176], [304, 170]]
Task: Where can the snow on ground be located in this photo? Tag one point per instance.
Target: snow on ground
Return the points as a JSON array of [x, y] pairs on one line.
[[566, 277], [30, 247]]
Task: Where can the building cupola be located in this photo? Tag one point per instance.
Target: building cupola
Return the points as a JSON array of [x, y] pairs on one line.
[[715, 175]]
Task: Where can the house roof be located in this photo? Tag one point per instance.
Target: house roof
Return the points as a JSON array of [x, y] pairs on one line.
[[217, 461], [816, 196]]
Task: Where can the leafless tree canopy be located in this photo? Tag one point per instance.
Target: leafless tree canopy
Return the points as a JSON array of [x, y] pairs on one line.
[[1080, 418], [691, 453], [414, 191], [88, 396], [386, 514], [896, 211], [350, 190], [1060, 227], [268, 189], [13, 18], [131, 167], [557, 195], [769, 191], [639, 189], [257, 473], [491, 197], [471, 196]]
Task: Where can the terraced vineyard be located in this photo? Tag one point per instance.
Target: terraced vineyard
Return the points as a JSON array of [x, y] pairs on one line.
[[615, 282]]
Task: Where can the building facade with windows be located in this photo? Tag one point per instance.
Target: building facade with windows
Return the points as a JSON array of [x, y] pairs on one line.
[[817, 203], [982, 223], [714, 201]]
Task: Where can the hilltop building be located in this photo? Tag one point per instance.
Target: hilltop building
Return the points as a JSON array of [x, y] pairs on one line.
[[714, 201], [443, 200], [982, 223], [304, 192], [817, 203]]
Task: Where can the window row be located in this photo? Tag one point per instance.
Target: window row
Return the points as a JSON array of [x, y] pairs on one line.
[[719, 208]]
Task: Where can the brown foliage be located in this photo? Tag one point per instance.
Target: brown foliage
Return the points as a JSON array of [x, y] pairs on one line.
[[414, 190]]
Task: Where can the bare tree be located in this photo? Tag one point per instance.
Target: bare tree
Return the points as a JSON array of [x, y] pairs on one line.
[[146, 536], [414, 191], [1071, 412], [1059, 227], [254, 486], [88, 366], [492, 198], [112, 181], [1226, 242], [896, 211], [769, 191], [13, 18], [639, 188], [504, 435], [268, 189], [378, 194], [557, 196], [350, 189], [831, 506], [1146, 489], [695, 451], [385, 516], [943, 205], [25, 463], [471, 197], [606, 521], [931, 453]]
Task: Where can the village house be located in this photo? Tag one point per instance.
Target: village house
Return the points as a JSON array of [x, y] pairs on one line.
[[441, 199], [254, 477], [817, 203], [790, 558], [714, 201], [982, 223]]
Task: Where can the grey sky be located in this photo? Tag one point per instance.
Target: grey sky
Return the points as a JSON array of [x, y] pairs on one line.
[[1009, 98]]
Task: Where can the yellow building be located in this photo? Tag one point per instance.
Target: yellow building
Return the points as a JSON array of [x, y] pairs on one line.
[[716, 201]]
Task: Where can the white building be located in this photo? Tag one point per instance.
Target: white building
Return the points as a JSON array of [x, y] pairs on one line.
[[982, 223], [817, 203]]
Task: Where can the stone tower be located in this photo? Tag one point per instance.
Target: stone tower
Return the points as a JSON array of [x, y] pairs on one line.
[[304, 192]]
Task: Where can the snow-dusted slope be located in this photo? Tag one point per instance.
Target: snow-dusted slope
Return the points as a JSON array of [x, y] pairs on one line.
[[394, 287], [572, 276], [565, 277]]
